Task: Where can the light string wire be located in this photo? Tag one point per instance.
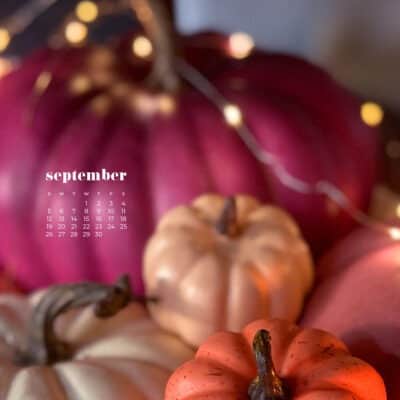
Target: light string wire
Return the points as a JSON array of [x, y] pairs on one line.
[[322, 187], [26, 14]]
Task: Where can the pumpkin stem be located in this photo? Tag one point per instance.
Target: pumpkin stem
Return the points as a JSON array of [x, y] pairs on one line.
[[43, 346], [267, 385], [227, 222], [157, 22]]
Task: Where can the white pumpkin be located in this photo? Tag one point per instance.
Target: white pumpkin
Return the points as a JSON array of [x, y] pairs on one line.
[[125, 357], [219, 264]]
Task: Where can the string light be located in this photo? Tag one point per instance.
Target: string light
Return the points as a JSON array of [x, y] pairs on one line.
[[166, 104], [42, 82], [76, 32], [394, 233], [80, 84], [142, 47], [240, 45], [5, 67], [5, 39], [233, 115], [372, 114], [101, 104], [87, 11]]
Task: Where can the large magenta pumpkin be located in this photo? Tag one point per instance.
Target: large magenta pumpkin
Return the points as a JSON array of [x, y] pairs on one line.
[[358, 299], [71, 109]]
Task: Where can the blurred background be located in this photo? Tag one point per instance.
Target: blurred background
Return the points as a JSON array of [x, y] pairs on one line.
[[356, 40]]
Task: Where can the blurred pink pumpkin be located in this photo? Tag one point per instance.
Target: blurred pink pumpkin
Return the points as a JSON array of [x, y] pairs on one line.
[[71, 109], [357, 299]]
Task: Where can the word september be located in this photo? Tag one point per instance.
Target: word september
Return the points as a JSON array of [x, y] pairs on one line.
[[74, 176]]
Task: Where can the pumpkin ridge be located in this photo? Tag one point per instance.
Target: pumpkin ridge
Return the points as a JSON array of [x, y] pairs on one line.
[[63, 371], [199, 146], [305, 336], [41, 377], [340, 361], [240, 351], [98, 143]]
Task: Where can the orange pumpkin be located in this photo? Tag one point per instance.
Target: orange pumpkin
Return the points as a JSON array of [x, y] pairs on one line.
[[210, 261], [310, 365]]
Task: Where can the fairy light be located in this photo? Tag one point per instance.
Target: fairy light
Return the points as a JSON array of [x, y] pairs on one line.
[[233, 115], [42, 82], [76, 32], [240, 45], [6, 66], [372, 114], [142, 47], [394, 233], [101, 104], [5, 39], [167, 104], [87, 11], [80, 84]]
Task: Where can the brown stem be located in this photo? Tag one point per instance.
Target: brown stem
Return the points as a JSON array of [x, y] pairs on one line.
[[227, 222], [157, 22], [267, 385], [43, 346]]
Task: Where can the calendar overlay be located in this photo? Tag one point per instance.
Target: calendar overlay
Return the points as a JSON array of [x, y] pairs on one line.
[[87, 214]]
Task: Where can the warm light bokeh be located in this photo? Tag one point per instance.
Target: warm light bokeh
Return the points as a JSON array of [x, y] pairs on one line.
[[76, 32], [233, 115], [87, 11], [142, 47], [240, 45], [372, 114]]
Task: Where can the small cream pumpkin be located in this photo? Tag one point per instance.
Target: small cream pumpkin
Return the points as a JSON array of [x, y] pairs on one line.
[[220, 263], [126, 357]]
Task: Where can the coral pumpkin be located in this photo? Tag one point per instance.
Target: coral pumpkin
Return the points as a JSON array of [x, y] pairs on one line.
[[88, 108], [358, 299], [218, 264], [289, 363], [126, 357]]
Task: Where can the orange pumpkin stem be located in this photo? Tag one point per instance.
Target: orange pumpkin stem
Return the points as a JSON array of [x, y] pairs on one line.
[[227, 222], [267, 385], [43, 346]]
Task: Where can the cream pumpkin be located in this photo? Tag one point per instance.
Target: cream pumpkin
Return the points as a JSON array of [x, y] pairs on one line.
[[126, 357], [219, 263]]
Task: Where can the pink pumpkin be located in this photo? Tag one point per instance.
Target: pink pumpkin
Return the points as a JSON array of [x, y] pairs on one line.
[[71, 109], [358, 299]]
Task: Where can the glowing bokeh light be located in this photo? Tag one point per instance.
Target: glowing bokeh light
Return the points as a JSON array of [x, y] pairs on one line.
[[87, 11], [233, 115], [142, 47], [372, 114], [394, 233], [76, 32], [80, 84], [5, 39], [6, 66], [240, 45]]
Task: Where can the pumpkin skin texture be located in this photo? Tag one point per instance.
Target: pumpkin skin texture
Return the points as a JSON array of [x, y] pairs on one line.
[[314, 364], [126, 357], [208, 281], [169, 159], [357, 298]]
